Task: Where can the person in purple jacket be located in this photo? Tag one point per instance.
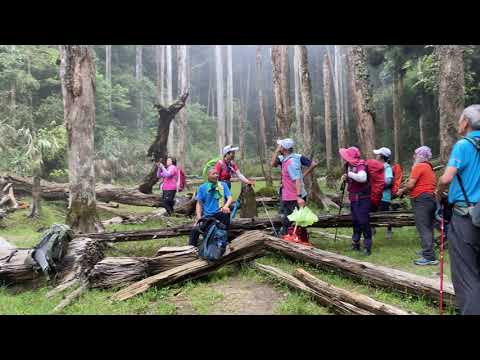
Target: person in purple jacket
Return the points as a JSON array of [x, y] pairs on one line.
[[169, 175]]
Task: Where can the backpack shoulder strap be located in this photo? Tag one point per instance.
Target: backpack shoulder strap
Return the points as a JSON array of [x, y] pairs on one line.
[[460, 182], [476, 143]]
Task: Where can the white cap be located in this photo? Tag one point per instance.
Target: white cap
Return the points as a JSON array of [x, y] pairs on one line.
[[229, 148], [383, 151], [286, 143]]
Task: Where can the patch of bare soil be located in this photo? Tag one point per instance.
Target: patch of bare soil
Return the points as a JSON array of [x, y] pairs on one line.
[[240, 297]]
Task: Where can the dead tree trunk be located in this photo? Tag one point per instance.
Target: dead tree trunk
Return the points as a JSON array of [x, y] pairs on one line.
[[108, 73], [248, 203], [266, 168], [169, 92], [158, 150], [362, 100], [451, 97], [78, 81], [298, 104], [221, 141], [229, 95], [359, 300], [327, 95], [338, 306], [280, 89], [376, 275]]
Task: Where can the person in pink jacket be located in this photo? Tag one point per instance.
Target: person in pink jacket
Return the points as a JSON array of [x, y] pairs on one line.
[[169, 175]]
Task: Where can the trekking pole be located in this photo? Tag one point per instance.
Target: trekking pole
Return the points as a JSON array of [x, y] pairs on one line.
[[442, 238], [342, 189], [269, 218]]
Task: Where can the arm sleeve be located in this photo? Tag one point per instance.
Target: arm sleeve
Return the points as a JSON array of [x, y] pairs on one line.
[[168, 173], [416, 171], [360, 177], [457, 158], [294, 170], [241, 176]]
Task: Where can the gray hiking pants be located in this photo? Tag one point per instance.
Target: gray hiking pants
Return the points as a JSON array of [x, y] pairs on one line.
[[424, 209], [464, 250]]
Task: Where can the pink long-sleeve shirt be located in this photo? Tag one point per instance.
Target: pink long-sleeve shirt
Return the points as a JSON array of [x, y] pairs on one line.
[[169, 176]]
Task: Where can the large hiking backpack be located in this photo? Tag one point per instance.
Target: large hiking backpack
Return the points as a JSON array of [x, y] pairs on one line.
[[51, 249], [376, 179], [181, 179], [397, 179], [215, 240]]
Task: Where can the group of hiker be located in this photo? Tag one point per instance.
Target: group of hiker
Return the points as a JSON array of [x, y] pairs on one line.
[[371, 185]]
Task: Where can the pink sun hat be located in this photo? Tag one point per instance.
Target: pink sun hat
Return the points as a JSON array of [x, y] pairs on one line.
[[351, 155]]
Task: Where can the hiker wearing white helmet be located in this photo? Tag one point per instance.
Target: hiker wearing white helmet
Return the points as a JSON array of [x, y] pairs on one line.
[[292, 189], [226, 167], [383, 155]]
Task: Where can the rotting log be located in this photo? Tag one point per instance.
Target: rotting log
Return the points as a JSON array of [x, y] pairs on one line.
[[243, 224], [376, 275], [351, 297], [244, 248], [121, 271], [106, 193], [13, 268], [332, 302]]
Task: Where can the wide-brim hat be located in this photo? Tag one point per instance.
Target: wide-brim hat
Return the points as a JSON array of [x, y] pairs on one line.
[[350, 155]]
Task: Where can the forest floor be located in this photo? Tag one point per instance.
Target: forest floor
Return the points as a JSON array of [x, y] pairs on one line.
[[232, 289]]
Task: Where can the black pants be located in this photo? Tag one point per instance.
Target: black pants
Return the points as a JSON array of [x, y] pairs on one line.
[[199, 229], [168, 200], [286, 208], [424, 208], [464, 250]]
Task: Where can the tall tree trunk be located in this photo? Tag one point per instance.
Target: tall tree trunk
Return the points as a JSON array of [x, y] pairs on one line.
[[266, 169], [362, 100], [296, 77], [327, 95], [346, 112], [139, 78], [182, 121], [78, 83], [421, 120], [108, 73], [36, 197], [451, 99], [229, 95], [396, 115], [169, 100], [243, 118], [160, 67], [280, 89], [209, 100], [158, 150], [339, 99], [306, 97], [220, 99]]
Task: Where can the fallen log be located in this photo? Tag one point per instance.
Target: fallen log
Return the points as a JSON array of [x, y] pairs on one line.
[[13, 266], [359, 300], [239, 225], [122, 271], [376, 275], [106, 193], [336, 304], [246, 247]]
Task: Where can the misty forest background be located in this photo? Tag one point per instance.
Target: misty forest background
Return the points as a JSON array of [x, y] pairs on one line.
[[404, 86]]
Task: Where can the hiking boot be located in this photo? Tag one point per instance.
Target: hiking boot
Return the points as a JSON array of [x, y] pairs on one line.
[[356, 247], [368, 252], [422, 262]]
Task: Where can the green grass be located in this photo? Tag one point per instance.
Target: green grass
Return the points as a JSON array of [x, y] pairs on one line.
[[397, 253]]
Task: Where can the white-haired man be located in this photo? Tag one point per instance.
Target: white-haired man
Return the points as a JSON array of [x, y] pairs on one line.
[[463, 176]]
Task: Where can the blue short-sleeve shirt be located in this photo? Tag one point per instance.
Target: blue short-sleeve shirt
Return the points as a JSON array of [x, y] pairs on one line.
[[387, 192], [466, 159], [207, 198]]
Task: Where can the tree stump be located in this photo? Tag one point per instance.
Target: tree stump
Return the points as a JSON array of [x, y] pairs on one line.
[[248, 203]]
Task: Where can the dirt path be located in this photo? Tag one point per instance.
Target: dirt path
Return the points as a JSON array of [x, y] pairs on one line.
[[239, 297]]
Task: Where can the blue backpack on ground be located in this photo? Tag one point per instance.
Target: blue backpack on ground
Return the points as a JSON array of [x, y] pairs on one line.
[[215, 238]]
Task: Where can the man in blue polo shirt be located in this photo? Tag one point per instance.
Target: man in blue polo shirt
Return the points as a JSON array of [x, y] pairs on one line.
[[213, 200], [463, 168]]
